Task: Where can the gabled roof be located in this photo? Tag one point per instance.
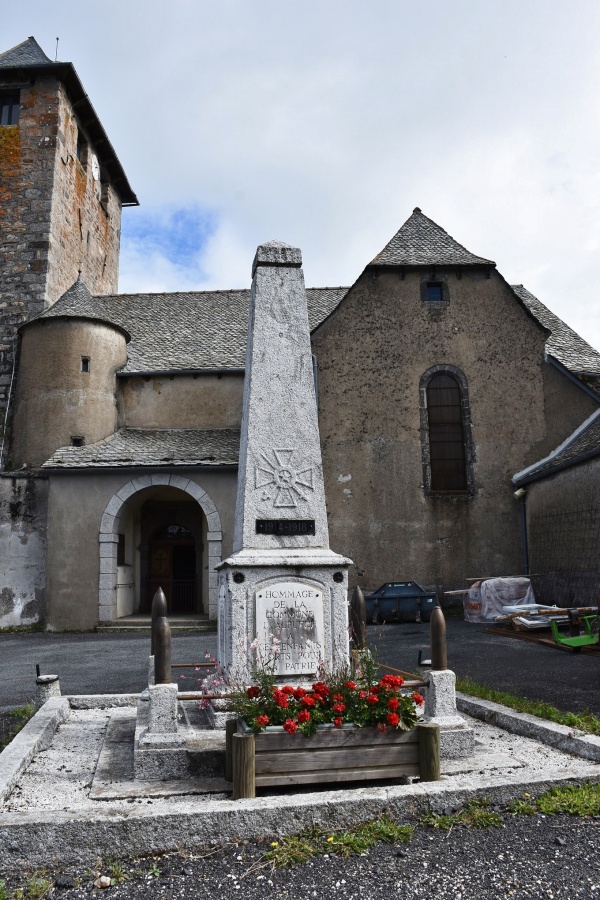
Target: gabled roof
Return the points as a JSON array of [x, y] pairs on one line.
[[29, 58], [133, 447], [28, 53], [580, 446], [564, 344], [179, 331], [421, 242]]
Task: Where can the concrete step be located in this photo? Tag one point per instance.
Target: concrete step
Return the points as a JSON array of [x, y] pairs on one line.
[[143, 624]]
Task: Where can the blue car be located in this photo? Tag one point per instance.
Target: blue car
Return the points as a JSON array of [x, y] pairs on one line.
[[399, 601]]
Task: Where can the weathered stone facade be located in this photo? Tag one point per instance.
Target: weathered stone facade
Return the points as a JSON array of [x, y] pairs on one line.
[[121, 470], [373, 353], [60, 212]]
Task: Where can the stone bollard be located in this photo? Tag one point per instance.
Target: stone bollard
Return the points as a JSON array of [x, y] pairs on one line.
[[159, 609], [46, 686], [437, 632], [162, 651]]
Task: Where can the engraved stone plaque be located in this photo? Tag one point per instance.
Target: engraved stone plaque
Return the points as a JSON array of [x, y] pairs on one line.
[[289, 618]]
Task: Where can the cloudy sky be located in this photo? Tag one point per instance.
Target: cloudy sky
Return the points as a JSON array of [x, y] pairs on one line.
[[324, 122]]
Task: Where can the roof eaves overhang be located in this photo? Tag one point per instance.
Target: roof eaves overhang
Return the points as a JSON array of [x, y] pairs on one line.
[[553, 470], [186, 467], [217, 370], [88, 117]]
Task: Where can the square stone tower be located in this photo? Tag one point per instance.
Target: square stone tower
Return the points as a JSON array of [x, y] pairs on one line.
[[61, 193]]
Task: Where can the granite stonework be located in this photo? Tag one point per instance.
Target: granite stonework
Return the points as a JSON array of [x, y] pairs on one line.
[[457, 739], [283, 592], [189, 747]]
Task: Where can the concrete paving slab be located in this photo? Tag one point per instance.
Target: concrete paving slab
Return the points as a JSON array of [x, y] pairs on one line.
[[114, 775]]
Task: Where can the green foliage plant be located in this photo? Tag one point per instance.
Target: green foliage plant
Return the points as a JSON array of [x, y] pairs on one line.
[[336, 699]]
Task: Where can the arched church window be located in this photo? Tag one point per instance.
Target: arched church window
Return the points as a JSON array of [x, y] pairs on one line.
[[447, 448]]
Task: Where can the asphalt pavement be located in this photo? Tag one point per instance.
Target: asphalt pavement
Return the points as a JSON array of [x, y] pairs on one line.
[[117, 663]]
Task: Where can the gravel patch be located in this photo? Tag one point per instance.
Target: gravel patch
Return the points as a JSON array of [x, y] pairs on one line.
[[529, 857]]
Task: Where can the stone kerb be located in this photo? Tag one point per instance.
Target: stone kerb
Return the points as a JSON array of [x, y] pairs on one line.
[[108, 538]]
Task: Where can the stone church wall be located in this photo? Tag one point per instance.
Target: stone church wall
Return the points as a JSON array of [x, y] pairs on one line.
[[372, 354], [563, 521], [55, 217], [181, 401], [23, 506]]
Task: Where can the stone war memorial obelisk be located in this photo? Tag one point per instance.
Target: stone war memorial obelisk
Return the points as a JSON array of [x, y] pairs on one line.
[[283, 592]]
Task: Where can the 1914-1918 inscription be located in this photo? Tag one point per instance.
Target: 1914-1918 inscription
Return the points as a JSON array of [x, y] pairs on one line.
[[289, 626], [285, 526]]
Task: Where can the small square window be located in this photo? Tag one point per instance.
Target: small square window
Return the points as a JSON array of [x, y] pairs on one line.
[[77, 440], [85, 364], [10, 107], [434, 291]]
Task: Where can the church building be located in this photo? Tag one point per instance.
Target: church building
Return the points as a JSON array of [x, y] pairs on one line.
[[437, 384]]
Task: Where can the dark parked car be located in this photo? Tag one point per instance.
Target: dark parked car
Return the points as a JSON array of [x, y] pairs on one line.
[[399, 601]]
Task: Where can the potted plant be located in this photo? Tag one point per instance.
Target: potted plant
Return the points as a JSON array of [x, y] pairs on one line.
[[340, 728]]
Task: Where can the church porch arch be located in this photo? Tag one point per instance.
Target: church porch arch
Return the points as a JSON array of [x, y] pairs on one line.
[[115, 514]]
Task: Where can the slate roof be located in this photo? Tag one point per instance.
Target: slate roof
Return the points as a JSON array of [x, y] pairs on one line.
[[178, 331], [583, 444], [564, 344], [422, 242], [28, 53], [133, 447]]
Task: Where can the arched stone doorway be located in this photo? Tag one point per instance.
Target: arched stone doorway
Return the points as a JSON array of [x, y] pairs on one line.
[[124, 550]]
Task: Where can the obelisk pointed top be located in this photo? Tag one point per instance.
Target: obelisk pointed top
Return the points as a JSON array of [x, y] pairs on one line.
[[276, 253]]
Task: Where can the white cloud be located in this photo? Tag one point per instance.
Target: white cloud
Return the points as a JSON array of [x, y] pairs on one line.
[[324, 124]]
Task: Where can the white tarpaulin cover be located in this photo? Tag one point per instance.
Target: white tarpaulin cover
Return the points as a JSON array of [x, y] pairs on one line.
[[486, 599]]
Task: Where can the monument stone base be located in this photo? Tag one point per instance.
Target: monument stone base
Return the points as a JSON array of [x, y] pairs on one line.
[[287, 607], [457, 739], [189, 750]]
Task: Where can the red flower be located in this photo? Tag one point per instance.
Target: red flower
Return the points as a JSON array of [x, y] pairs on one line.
[[281, 699], [362, 695], [303, 715], [262, 721], [351, 685], [309, 700], [290, 726], [339, 707], [288, 689], [320, 688], [253, 691], [393, 703], [419, 700], [392, 681], [337, 698], [392, 719], [299, 693], [381, 727], [338, 722], [372, 698]]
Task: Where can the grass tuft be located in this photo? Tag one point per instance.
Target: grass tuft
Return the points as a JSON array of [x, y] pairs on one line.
[[574, 799], [584, 721], [475, 814], [22, 714], [293, 849]]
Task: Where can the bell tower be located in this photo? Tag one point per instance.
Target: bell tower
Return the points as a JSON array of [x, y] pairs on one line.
[[62, 189]]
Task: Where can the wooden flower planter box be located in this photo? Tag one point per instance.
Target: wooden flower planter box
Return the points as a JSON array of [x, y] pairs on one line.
[[274, 758]]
